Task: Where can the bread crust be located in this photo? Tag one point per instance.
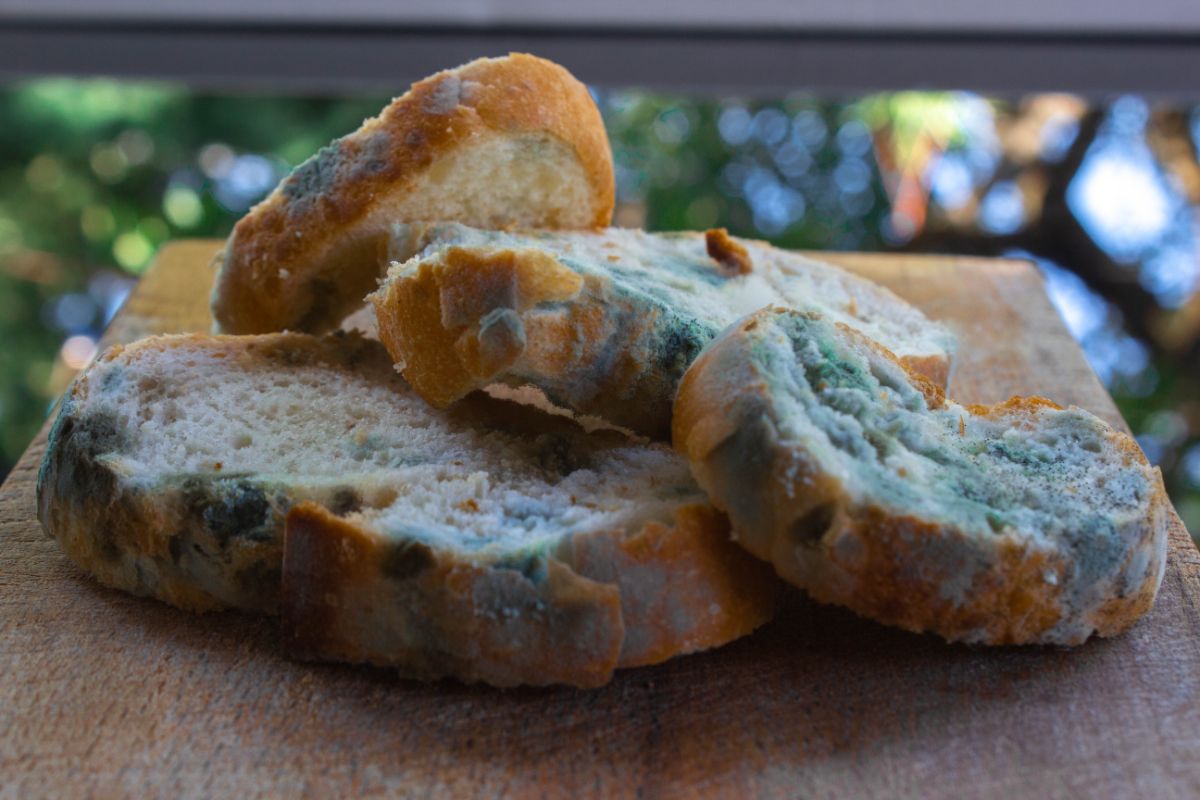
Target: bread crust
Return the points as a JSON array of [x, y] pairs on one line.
[[201, 542], [306, 255], [348, 596], [585, 356], [594, 602], [600, 601], [887, 565], [684, 585], [108, 533], [468, 316]]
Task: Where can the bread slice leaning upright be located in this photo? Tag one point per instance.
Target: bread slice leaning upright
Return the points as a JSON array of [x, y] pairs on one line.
[[299, 475], [605, 323], [498, 142], [1015, 523]]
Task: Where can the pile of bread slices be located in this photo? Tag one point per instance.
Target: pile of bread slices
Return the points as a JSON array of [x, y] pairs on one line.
[[484, 485]]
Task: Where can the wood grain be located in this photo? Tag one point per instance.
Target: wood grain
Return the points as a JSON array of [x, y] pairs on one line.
[[107, 695]]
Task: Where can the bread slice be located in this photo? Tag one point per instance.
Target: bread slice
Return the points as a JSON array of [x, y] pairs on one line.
[[605, 323], [1008, 524], [491, 543], [498, 142]]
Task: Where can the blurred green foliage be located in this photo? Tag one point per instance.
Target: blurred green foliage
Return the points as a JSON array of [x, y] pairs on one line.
[[96, 175], [688, 165]]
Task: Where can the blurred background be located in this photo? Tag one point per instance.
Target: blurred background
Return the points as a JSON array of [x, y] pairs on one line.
[[1101, 189]]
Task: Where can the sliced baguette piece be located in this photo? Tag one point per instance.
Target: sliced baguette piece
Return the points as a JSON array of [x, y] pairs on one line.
[[498, 142], [1016, 523], [491, 542], [605, 323]]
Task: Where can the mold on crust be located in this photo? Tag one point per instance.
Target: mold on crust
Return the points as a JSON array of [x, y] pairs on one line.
[[176, 464], [1010, 524], [605, 323], [345, 600], [497, 142]]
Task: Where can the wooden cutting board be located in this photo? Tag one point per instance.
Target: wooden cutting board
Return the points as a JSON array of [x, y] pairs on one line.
[[107, 695]]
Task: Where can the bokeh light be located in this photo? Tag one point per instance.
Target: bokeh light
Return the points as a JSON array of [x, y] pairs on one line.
[[243, 181], [183, 207], [77, 351], [1119, 198], [1003, 208], [133, 251]]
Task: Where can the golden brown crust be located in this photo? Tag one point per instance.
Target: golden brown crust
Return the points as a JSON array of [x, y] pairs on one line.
[[1014, 406], [933, 371], [601, 601], [706, 414], [929, 375], [1009, 603], [306, 246], [350, 595], [434, 318], [880, 563], [576, 352], [685, 586]]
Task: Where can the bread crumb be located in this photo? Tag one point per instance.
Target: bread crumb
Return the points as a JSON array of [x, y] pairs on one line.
[[733, 257]]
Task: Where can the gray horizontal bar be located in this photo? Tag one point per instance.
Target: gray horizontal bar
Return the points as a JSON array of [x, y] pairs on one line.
[[1071, 16], [830, 62]]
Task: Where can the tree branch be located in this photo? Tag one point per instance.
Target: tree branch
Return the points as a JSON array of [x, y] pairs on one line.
[[1057, 235]]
